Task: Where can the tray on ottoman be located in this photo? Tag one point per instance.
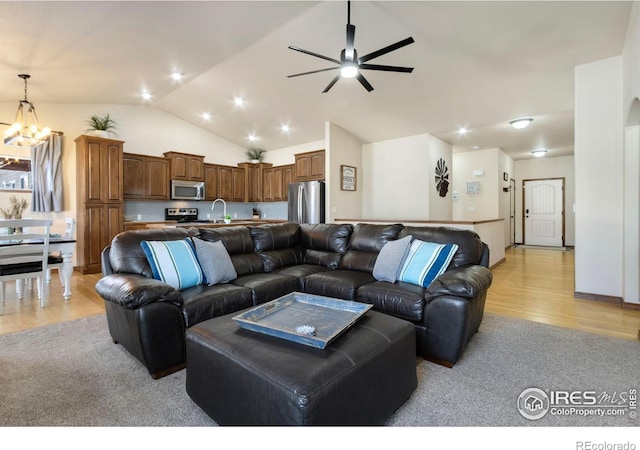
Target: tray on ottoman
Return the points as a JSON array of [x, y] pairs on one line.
[[308, 319]]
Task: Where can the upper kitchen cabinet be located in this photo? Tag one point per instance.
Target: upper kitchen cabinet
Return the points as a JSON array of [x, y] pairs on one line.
[[99, 169], [186, 167], [309, 166], [253, 184], [145, 177], [229, 183]]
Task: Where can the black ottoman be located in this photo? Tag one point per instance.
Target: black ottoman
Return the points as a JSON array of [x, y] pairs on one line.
[[241, 377]]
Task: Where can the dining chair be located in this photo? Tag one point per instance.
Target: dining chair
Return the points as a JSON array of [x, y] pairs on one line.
[[26, 254], [55, 260]]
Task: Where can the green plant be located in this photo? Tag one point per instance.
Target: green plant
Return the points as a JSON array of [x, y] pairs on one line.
[[255, 153], [102, 123]]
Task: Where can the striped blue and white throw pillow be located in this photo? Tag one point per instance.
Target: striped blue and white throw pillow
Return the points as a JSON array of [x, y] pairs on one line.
[[426, 261], [174, 262]]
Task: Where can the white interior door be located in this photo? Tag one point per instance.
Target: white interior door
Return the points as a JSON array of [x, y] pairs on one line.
[[544, 212]]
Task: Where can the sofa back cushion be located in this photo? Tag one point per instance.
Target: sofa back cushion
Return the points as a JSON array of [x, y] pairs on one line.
[[366, 242], [325, 243], [238, 242], [469, 242], [277, 244], [127, 256]]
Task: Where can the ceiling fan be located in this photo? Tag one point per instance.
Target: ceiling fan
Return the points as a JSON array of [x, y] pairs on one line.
[[350, 64]]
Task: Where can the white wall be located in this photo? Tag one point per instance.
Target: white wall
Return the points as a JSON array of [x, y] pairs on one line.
[[505, 165], [599, 181], [399, 179], [538, 168], [284, 156], [342, 148], [484, 205], [144, 129]]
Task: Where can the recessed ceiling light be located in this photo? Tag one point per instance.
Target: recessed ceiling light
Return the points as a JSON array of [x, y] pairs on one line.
[[285, 128], [206, 116], [238, 101], [463, 131], [252, 138], [146, 95], [476, 147], [519, 124], [177, 76], [539, 152]]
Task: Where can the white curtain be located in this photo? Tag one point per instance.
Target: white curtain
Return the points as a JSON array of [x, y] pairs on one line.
[[46, 169]]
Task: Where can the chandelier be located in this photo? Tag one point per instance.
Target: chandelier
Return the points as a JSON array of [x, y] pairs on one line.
[[26, 131]]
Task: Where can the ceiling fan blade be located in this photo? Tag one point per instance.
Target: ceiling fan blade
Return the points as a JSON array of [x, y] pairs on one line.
[[386, 68], [351, 35], [364, 82], [334, 81], [385, 50], [314, 54], [313, 71]]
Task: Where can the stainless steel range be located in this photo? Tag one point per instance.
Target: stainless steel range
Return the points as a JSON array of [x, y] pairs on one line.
[[182, 215]]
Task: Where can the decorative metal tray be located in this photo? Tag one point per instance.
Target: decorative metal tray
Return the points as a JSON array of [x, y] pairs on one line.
[[308, 319]]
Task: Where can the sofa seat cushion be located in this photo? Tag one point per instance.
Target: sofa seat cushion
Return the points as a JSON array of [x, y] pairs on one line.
[[301, 271], [268, 286], [403, 300], [205, 302], [337, 283]]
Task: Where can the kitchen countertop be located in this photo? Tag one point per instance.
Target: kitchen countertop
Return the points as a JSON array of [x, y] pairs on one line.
[[211, 224]]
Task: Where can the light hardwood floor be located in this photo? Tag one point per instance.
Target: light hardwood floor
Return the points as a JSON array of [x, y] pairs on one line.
[[532, 284]]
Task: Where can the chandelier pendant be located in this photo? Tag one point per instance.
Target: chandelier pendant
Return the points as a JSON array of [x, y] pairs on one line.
[[26, 131]]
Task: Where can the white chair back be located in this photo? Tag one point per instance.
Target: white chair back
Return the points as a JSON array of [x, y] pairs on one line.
[[27, 247]]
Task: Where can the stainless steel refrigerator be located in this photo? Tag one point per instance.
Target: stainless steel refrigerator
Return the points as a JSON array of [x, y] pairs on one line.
[[306, 202]]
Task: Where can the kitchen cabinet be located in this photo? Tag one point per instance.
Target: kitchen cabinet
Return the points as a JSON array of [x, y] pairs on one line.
[[309, 166], [185, 166], [145, 177], [253, 184], [211, 182], [268, 177], [230, 185], [99, 199], [288, 177]]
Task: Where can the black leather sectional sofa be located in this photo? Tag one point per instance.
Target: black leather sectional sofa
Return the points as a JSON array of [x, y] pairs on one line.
[[149, 317]]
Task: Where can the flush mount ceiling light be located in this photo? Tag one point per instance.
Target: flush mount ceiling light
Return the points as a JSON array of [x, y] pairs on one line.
[[519, 124], [26, 130], [539, 152]]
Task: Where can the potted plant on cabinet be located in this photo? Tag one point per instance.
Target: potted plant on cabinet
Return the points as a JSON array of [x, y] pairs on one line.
[[101, 126], [255, 155]]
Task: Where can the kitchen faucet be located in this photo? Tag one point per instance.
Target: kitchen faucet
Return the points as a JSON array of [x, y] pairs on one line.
[[224, 205]]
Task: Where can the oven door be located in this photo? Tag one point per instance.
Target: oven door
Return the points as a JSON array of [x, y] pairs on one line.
[[187, 190]]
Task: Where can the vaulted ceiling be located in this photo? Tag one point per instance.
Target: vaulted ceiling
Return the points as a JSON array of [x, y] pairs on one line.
[[476, 65]]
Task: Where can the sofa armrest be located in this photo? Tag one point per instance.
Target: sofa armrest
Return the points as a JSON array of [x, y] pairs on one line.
[[465, 282], [134, 291]]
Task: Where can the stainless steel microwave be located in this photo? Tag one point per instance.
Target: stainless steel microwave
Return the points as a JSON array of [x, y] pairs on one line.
[[187, 190]]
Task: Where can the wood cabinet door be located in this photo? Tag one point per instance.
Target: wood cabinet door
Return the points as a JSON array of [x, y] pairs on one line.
[[317, 166], [303, 167], [179, 167], [211, 182], [133, 175], [268, 193], [287, 178], [196, 168], [237, 194], [95, 161], [157, 178], [225, 177]]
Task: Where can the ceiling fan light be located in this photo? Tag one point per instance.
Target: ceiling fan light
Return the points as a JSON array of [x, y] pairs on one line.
[[519, 124], [349, 70]]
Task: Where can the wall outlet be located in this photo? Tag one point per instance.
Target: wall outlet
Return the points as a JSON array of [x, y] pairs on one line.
[[235, 216], [208, 216], [139, 217]]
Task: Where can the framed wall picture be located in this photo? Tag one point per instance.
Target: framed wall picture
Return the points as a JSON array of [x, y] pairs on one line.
[[348, 178]]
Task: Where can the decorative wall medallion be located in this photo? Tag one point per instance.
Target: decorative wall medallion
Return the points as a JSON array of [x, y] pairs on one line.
[[442, 178]]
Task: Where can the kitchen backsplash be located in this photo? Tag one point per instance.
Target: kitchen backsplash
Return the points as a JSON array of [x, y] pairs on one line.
[[150, 211]]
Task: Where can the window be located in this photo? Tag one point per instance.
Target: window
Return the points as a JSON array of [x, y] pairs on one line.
[[15, 173]]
